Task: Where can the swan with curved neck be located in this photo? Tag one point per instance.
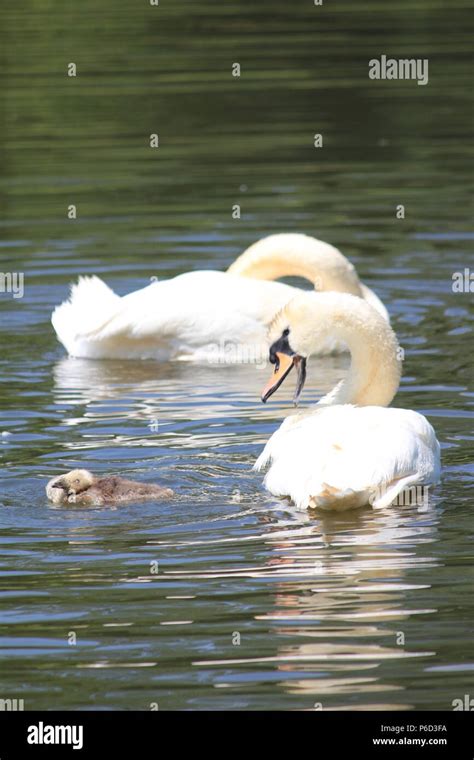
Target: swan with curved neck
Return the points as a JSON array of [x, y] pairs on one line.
[[204, 315], [351, 450], [301, 256], [296, 255]]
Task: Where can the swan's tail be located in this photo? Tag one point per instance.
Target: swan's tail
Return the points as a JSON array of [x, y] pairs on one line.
[[261, 462], [90, 306]]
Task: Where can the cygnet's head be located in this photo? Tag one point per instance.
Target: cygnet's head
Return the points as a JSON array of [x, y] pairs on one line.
[[74, 482]]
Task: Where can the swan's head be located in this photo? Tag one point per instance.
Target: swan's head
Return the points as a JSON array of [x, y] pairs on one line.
[[284, 358], [74, 482], [292, 334], [310, 318]]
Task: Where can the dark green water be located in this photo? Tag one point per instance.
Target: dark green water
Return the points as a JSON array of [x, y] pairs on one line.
[[319, 604]]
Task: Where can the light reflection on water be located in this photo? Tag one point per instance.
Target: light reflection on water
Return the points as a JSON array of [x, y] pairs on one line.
[[343, 612]]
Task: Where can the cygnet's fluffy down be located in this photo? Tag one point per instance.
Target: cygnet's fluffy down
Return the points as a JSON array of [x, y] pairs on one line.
[[82, 487]]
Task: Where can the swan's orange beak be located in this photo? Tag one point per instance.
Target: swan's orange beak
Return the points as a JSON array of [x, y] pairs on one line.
[[283, 367]]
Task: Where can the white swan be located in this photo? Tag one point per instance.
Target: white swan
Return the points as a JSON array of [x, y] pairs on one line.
[[209, 315], [350, 450]]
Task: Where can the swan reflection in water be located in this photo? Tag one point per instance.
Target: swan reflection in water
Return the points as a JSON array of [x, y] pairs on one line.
[[341, 588], [148, 391]]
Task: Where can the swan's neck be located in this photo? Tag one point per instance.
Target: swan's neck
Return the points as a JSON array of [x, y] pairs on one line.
[[297, 255], [374, 373]]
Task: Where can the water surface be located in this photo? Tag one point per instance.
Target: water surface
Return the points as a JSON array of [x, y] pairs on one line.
[[223, 597]]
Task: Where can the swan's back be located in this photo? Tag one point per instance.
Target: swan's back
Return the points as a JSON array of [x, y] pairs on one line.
[[193, 311], [340, 456]]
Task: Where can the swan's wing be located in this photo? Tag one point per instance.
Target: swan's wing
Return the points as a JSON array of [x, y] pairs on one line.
[[197, 309], [351, 454]]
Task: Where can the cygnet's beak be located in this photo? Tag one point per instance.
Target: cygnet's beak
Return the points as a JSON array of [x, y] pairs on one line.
[[60, 484]]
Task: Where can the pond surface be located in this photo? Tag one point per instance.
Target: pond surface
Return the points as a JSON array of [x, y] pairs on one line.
[[223, 597]]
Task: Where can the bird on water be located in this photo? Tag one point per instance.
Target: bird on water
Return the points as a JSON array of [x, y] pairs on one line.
[[82, 487]]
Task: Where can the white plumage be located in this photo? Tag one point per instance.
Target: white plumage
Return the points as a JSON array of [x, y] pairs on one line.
[[348, 452], [204, 315]]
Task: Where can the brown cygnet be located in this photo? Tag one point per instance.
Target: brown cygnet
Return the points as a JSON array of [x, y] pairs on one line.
[[82, 487]]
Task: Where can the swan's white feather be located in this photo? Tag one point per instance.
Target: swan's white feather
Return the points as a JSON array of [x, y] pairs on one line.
[[204, 314], [197, 315], [372, 299], [346, 456], [197, 311], [352, 449]]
